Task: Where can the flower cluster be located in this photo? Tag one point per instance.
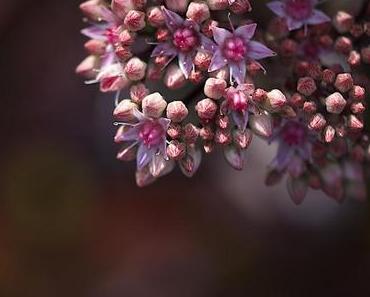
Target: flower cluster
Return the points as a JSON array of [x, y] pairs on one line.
[[211, 55]]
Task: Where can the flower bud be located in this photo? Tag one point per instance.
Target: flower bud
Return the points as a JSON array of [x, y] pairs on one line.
[[328, 76], [112, 78], [202, 60], [208, 147], [206, 109], [344, 82], [309, 107], [135, 69], [174, 131], [153, 105], [343, 45], [174, 77], [259, 96], [155, 16], [177, 111], [223, 121], [357, 93], [223, 136], [207, 28], [317, 122], [123, 52], [329, 133], [297, 100], [306, 86], [215, 88], [354, 123], [243, 139], [222, 73], [365, 55], [92, 9], [335, 103], [288, 48], [135, 20], [190, 163], [196, 77], [125, 111], [162, 34], [87, 67], [354, 59], [95, 47], [191, 133], [343, 22], [122, 7], [176, 150], [126, 38], [218, 4], [240, 6], [198, 12], [138, 92], [357, 107], [177, 5], [276, 99], [206, 133]]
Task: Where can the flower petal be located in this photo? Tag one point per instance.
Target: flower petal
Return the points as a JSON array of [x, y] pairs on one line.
[[294, 24], [218, 61], [132, 134], [185, 64], [190, 163], [259, 51], [164, 49], [172, 19], [277, 7], [318, 17], [240, 119], [246, 31], [234, 156], [144, 156], [207, 44], [95, 32], [297, 188], [238, 71], [220, 34]]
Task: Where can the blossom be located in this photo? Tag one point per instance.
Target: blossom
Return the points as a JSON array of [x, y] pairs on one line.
[[148, 135], [294, 146], [184, 42], [298, 13], [235, 49]]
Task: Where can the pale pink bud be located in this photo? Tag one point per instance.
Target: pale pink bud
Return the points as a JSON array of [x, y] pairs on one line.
[[328, 76], [329, 133], [174, 77], [243, 138], [196, 77], [87, 67], [135, 20], [344, 82], [122, 7], [354, 123], [174, 131], [153, 105], [317, 122], [177, 5], [135, 69], [297, 100], [191, 133], [261, 125], [202, 60], [223, 136], [198, 12], [357, 107], [123, 52], [177, 111], [343, 45], [357, 93], [92, 9], [343, 21], [306, 86], [276, 99], [138, 92], [155, 16], [354, 59], [95, 47], [176, 150], [241, 6], [125, 111], [206, 133], [206, 109], [223, 121], [335, 103], [127, 38], [112, 78], [215, 88], [309, 107], [218, 4], [259, 96]]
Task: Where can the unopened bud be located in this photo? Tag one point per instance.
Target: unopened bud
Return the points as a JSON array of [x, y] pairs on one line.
[[354, 123], [191, 133], [354, 59], [87, 67], [176, 150], [343, 21], [306, 86], [317, 122], [138, 92], [276, 99], [243, 138], [202, 60], [174, 77], [215, 88], [344, 82], [335, 103], [126, 38], [95, 47], [329, 133], [309, 107], [206, 109], [259, 95], [328, 76], [155, 16], [174, 131], [177, 5], [343, 45], [357, 107], [125, 111], [218, 4], [135, 69], [177, 111], [222, 121], [198, 12], [135, 20], [206, 133], [357, 93], [153, 105], [297, 100], [261, 125], [223, 136]]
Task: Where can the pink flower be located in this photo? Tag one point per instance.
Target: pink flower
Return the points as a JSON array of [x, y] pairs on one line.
[[184, 42], [298, 13], [149, 134], [235, 49]]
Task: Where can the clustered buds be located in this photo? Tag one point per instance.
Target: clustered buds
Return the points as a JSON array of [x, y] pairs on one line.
[[313, 103]]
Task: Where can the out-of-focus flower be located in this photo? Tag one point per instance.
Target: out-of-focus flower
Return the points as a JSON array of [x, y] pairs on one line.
[[236, 48], [298, 13], [184, 42]]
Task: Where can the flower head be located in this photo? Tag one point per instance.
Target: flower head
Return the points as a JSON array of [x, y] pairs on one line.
[[298, 13], [184, 42], [149, 134], [235, 49]]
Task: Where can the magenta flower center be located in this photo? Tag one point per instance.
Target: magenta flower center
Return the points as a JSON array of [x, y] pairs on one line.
[[151, 133], [112, 35], [185, 39], [299, 9], [294, 133], [237, 101], [235, 49]]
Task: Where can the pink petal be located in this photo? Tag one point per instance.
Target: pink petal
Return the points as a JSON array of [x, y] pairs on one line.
[[238, 71], [259, 51], [207, 44], [185, 64], [318, 17], [95, 32], [144, 156], [294, 24], [234, 156], [240, 119], [131, 134], [218, 61], [220, 34], [277, 7], [246, 31], [157, 165], [172, 19], [164, 49]]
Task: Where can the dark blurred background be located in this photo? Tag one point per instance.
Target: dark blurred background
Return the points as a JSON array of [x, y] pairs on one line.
[[73, 222]]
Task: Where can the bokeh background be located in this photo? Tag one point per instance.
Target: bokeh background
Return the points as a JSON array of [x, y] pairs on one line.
[[73, 222]]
